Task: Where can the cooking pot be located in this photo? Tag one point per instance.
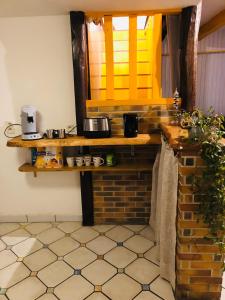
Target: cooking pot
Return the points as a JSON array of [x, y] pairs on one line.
[[99, 127]]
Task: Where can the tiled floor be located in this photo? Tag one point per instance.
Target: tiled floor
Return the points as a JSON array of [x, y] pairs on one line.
[[50, 261]]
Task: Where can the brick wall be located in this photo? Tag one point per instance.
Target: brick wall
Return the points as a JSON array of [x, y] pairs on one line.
[[199, 262], [122, 198], [125, 197], [150, 116]]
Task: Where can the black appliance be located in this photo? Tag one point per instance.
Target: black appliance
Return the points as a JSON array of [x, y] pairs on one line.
[[99, 127], [130, 125]]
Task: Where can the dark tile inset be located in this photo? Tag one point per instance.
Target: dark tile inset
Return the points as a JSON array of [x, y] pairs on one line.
[[119, 244], [187, 215], [187, 232], [100, 256], [19, 259], [2, 291], [218, 257], [197, 198], [82, 244], [120, 270], [77, 272], [60, 257], [67, 234], [140, 255], [50, 290], [98, 288], [189, 180], [45, 246], [145, 287], [190, 162]]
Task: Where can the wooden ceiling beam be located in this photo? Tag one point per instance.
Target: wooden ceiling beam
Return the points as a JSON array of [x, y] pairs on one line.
[[214, 24], [168, 11]]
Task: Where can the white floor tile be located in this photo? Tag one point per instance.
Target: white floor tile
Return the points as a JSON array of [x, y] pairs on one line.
[[96, 296], [39, 259], [120, 257], [138, 244], [69, 227], [8, 227], [75, 287], [101, 245], [147, 296], [55, 273], [64, 246], [51, 235], [162, 288], [80, 258], [142, 270], [84, 234], [121, 287], [27, 247], [99, 272], [103, 228], [153, 255], [15, 237], [2, 245], [13, 274], [7, 257], [148, 233], [28, 289], [135, 228], [47, 297], [119, 234], [35, 228]]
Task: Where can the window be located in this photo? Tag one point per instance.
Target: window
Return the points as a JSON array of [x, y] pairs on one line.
[[125, 60]]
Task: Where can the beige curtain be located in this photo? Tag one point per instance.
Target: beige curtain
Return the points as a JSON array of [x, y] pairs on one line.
[[96, 50], [164, 209]]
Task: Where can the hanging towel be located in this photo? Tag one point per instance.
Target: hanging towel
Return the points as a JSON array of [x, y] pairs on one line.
[[164, 209]]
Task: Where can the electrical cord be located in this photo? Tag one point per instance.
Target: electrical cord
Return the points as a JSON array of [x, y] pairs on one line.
[[75, 126], [11, 125]]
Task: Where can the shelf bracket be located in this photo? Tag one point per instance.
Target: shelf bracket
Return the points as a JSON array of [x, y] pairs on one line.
[[132, 151], [35, 174]]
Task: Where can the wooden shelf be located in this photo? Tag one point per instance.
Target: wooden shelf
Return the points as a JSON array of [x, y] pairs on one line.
[[141, 139], [132, 167]]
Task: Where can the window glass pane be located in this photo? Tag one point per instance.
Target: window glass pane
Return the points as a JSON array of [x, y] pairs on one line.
[[121, 57]]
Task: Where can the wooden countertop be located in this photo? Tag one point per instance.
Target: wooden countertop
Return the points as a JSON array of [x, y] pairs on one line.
[[176, 136], [141, 139]]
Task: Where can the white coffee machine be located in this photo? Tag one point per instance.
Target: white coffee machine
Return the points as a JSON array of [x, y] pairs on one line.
[[29, 123]]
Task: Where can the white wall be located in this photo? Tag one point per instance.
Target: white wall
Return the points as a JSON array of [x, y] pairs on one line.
[[36, 68]]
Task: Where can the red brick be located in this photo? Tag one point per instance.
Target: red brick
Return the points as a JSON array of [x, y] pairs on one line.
[[216, 280]]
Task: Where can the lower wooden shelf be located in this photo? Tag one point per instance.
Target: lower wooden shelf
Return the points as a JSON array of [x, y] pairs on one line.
[[120, 167]]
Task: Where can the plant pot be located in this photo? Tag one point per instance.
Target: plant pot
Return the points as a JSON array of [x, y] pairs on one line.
[[194, 133]]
